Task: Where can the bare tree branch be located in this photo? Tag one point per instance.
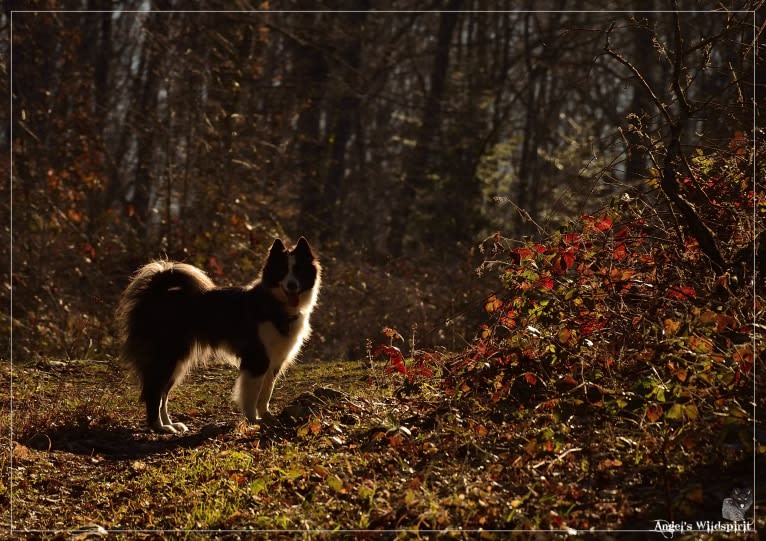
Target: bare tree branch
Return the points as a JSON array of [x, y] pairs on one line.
[[668, 182]]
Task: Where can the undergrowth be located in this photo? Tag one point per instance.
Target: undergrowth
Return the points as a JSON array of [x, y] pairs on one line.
[[621, 338], [611, 384]]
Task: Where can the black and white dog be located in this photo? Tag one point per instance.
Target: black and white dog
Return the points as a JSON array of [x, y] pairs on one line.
[[172, 315]]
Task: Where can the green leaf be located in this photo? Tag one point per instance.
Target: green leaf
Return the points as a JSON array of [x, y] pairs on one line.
[[691, 412], [675, 413], [335, 483]]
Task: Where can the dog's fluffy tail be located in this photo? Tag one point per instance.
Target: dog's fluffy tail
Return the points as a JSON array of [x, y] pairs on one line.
[[143, 305]]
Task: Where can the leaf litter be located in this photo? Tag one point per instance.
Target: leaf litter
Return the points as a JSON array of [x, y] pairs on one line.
[[358, 456]]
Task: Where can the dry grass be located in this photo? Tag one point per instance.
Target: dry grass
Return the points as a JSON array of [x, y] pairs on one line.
[[363, 458]]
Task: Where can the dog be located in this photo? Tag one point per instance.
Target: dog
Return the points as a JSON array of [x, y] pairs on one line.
[[172, 316]]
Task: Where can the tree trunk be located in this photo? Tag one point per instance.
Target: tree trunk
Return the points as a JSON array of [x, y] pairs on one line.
[[529, 161], [145, 141], [311, 72], [346, 114], [416, 166], [635, 163]]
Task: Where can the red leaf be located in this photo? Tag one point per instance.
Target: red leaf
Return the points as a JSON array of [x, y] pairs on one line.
[[425, 372], [545, 282], [654, 412], [530, 378], [620, 252], [591, 325], [568, 256], [622, 233], [692, 245], [681, 293], [509, 319], [738, 143], [394, 355], [215, 266], [492, 304], [572, 238], [523, 252], [603, 224], [89, 250]]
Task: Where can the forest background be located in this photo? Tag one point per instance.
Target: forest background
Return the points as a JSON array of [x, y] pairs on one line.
[[395, 142], [547, 218]]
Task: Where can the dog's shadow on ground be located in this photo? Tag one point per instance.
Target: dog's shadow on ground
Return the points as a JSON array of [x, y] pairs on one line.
[[120, 442]]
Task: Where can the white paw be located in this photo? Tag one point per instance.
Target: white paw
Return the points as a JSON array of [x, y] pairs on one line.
[[172, 428], [162, 429], [179, 427]]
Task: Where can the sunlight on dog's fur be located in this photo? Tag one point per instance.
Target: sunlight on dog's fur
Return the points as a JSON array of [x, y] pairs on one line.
[[172, 316]]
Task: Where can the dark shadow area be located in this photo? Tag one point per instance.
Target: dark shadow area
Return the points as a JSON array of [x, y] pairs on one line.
[[695, 500], [129, 442], [120, 442]]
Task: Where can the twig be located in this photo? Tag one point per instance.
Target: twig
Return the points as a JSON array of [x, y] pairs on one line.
[[668, 182]]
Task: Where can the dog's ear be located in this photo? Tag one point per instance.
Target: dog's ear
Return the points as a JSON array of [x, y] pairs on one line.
[[303, 248], [275, 266], [277, 248]]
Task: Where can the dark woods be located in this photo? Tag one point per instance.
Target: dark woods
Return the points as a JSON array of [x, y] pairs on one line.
[[394, 141]]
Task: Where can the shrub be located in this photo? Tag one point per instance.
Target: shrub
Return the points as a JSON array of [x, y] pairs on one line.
[[621, 312]]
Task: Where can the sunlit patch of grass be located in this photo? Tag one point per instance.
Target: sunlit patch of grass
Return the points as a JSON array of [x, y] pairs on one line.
[[362, 458]]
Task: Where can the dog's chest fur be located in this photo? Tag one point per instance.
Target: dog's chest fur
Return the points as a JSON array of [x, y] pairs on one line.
[[280, 348]]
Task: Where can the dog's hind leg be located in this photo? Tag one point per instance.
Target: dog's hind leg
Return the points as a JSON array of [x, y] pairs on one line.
[[156, 387], [156, 411], [165, 418], [152, 400]]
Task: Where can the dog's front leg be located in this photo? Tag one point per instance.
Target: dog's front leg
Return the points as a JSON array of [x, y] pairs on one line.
[[253, 378], [262, 406], [246, 392]]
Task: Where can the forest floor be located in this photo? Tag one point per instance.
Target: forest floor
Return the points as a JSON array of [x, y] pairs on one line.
[[355, 452]]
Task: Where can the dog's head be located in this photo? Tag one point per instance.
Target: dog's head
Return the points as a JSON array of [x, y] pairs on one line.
[[293, 275]]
